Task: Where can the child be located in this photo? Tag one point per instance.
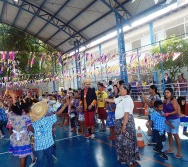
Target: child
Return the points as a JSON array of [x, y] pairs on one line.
[[81, 119], [73, 115], [159, 121], [43, 132], [183, 118], [19, 124], [3, 120], [110, 122], [26, 104]]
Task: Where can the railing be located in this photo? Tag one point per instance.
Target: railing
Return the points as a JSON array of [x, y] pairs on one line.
[[165, 56], [179, 89]]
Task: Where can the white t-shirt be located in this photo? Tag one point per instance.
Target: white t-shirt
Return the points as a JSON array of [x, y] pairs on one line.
[[123, 104]]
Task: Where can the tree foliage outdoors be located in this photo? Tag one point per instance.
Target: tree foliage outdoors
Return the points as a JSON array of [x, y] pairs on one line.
[[12, 39], [175, 55]]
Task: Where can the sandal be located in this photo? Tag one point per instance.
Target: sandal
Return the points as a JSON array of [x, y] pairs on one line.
[[178, 156], [169, 152]]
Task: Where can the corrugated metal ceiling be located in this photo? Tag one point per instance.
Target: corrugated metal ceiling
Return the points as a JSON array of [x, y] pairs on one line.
[[61, 21]]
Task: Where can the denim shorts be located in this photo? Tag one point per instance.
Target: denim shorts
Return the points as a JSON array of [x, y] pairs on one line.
[[175, 123]]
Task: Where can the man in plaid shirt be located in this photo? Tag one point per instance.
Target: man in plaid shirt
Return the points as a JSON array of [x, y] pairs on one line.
[[159, 121]]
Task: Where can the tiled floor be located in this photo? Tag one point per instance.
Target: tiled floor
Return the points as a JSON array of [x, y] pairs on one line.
[[75, 151]]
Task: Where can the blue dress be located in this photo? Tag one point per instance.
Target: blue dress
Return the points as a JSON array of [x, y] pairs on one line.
[[110, 116]]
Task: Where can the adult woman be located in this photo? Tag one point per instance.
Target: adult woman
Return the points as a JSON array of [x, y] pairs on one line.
[[120, 83], [182, 84], [154, 95], [170, 108], [88, 100], [115, 93], [126, 142]]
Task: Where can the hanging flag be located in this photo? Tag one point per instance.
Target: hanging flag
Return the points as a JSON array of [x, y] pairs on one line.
[[131, 58], [103, 59], [33, 60], [28, 62], [91, 56], [87, 56], [4, 56]]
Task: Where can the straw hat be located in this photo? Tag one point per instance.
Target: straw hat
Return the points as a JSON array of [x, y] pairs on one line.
[[38, 110], [1, 105], [86, 80]]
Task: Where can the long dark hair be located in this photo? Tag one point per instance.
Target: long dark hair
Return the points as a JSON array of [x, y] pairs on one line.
[[171, 91], [121, 82], [17, 108], [182, 107], [153, 87]]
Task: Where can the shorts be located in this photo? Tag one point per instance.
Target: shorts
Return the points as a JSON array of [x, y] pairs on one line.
[[89, 118], [175, 123], [102, 113]]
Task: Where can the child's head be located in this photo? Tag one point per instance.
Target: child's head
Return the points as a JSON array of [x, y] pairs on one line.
[[100, 86], [158, 105], [38, 110], [73, 108], [181, 101]]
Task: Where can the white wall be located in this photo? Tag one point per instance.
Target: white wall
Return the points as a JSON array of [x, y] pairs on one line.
[[141, 33]]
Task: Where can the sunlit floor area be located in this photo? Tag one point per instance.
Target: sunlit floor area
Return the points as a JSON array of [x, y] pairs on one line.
[[74, 150]]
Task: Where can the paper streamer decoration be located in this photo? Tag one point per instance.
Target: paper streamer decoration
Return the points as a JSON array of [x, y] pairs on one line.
[[33, 60]]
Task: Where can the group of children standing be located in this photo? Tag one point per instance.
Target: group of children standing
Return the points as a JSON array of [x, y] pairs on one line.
[[76, 113]]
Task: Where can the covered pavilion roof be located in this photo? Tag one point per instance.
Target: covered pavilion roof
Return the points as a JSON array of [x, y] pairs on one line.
[[60, 23]]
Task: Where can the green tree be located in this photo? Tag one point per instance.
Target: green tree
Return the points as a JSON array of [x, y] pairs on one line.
[[12, 39], [169, 48]]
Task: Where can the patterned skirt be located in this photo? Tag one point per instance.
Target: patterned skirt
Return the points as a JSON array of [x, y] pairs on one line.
[[126, 143], [20, 147]]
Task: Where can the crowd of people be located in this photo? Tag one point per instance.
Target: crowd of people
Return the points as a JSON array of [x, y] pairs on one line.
[[32, 120], [179, 86], [165, 116]]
